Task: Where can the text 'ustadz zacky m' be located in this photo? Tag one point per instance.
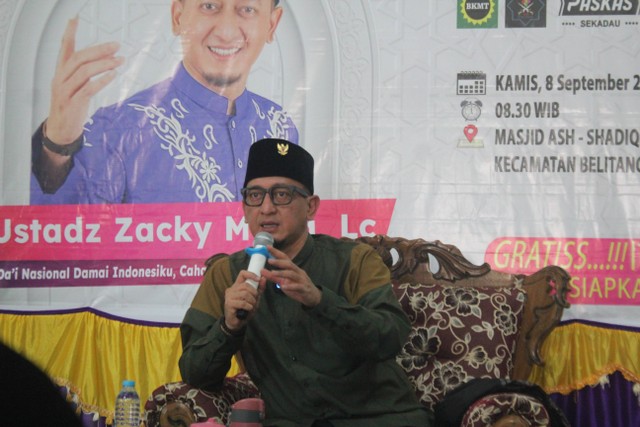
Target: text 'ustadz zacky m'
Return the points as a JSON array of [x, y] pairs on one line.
[[126, 231]]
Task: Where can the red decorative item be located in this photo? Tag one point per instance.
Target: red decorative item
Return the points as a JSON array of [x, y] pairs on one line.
[[247, 413]]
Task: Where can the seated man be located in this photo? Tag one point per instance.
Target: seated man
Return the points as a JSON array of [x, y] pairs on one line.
[[323, 326]]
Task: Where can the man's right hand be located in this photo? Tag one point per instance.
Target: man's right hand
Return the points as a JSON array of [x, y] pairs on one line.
[[242, 296], [79, 76]]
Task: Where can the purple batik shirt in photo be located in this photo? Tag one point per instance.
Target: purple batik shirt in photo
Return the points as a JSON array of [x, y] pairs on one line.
[[172, 142]]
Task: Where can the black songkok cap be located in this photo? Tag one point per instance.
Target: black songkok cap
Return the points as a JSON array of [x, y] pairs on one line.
[[278, 157]]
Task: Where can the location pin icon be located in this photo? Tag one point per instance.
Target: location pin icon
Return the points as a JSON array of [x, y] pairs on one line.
[[470, 131]]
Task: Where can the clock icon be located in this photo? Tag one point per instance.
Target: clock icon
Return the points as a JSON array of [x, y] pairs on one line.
[[471, 109]]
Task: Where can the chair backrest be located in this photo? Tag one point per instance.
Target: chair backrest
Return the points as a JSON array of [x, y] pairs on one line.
[[410, 261]]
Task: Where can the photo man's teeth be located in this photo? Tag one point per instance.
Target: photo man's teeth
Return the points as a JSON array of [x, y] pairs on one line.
[[224, 52]]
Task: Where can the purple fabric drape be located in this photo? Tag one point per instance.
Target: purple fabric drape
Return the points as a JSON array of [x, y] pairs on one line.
[[609, 405], [88, 419]]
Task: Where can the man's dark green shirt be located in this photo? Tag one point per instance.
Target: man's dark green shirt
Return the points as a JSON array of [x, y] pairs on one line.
[[335, 361]]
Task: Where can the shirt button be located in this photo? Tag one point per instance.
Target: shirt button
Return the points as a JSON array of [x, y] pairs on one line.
[[240, 163], [233, 124], [294, 358]]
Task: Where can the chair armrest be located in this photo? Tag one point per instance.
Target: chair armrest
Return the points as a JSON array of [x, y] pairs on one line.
[[178, 403], [546, 300], [488, 402], [509, 409]]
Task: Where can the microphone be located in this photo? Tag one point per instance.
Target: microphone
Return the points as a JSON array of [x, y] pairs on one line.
[[259, 255]]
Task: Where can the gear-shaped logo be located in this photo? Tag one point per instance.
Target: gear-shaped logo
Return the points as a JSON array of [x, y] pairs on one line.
[[477, 14]]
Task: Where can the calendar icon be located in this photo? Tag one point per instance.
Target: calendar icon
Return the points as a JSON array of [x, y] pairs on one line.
[[472, 83]]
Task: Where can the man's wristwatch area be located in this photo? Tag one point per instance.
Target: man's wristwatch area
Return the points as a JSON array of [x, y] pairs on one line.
[[63, 150], [228, 332]]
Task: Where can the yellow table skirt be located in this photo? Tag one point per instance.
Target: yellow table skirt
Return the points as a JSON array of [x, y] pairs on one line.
[[91, 354], [579, 354]]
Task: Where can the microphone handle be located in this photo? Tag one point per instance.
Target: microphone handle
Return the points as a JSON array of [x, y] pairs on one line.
[[242, 314], [256, 263]]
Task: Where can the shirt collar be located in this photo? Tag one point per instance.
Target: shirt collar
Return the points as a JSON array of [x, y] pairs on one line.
[[201, 95]]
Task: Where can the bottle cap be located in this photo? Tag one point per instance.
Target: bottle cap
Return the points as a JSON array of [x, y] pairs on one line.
[[128, 383]]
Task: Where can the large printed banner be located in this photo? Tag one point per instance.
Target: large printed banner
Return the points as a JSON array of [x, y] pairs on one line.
[[124, 245], [508, 128]]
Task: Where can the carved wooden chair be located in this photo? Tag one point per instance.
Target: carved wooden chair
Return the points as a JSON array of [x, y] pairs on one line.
[[469, 322]]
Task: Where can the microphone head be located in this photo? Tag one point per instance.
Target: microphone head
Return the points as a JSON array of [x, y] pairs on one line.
[[263, 239]]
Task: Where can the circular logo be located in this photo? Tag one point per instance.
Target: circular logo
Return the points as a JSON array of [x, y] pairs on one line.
[[478, 12]]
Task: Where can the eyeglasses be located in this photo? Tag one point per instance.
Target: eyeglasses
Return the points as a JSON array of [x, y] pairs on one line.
[[279, 194]]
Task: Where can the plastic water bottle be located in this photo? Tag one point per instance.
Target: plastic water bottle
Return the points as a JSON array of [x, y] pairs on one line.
[[127, 406]]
